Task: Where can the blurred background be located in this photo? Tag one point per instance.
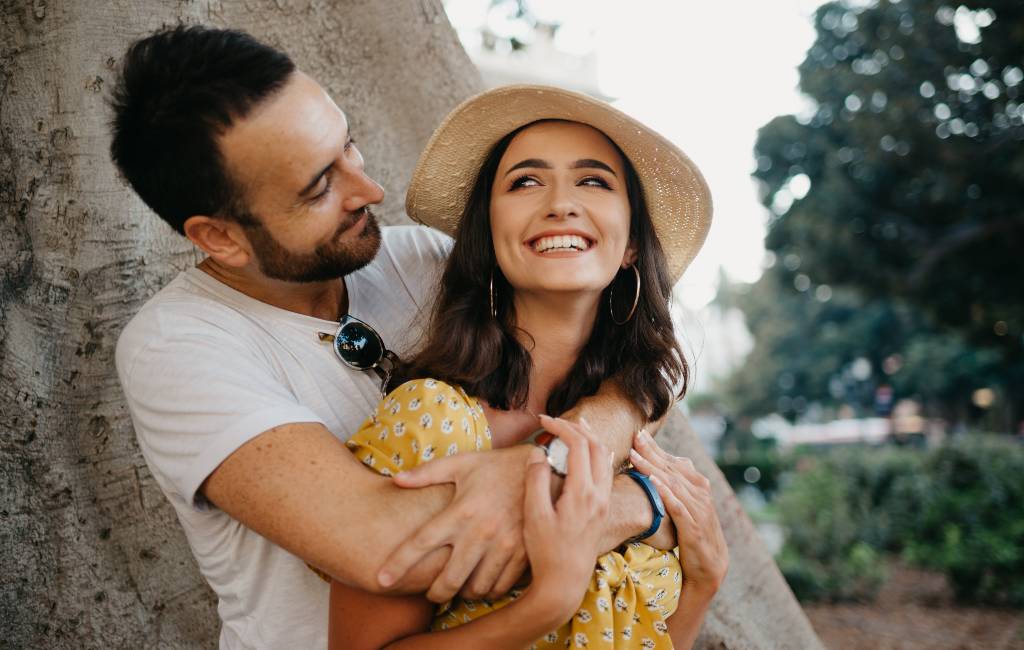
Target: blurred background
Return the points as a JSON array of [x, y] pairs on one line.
[[856, 318]]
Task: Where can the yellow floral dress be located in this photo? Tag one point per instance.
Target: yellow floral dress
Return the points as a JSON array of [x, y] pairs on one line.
[[633, 589]]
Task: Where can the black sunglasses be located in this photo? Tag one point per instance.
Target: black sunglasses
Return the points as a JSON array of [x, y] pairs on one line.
[[360, 347]]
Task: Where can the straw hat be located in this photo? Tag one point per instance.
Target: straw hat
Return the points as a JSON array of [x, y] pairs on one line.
[[677, 196]]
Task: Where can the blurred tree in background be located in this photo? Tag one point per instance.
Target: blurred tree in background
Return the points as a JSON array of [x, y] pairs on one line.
[[896, 216]]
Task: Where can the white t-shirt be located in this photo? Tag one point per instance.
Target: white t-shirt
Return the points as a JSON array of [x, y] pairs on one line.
[[206, 368]]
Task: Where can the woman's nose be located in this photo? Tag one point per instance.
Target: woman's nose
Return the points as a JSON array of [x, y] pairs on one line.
[[562, 205]]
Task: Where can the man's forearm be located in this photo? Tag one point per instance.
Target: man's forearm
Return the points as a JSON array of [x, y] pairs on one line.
[[630, 515], [614, 416], [300, 488]]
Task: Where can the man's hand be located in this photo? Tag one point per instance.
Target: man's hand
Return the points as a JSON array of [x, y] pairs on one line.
[[483, 525]]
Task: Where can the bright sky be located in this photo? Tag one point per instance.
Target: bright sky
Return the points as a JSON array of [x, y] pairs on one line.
[[706, 75]]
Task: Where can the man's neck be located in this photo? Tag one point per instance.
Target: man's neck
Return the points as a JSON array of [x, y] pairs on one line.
[[326, 300]]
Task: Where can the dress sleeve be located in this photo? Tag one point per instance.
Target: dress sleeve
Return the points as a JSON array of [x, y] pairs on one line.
[[420, 420]]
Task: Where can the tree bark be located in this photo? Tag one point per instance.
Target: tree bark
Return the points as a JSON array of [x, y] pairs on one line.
[[90, 552]]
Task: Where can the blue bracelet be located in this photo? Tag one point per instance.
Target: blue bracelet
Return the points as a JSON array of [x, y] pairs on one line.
[[656, 504]]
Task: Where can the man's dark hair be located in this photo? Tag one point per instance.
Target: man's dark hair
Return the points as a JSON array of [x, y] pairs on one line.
[[180, 88]]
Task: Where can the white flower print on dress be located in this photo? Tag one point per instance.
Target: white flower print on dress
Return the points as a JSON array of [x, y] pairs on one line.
[[551, 637], [415, 446], [369, 461], [660, 627], [608, 634], [580, 640], [603, 604], [430, 383], [411, 386], [647, 644], [414, 404], [452, 449], [446, 426], [426, 420], [396, 459], [383, 435], [394, 408], [399, 429], [584, 616], [620, 604], [627, 632], [428, 452]]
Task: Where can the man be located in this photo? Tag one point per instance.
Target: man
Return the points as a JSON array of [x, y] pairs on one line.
[[238, 402]]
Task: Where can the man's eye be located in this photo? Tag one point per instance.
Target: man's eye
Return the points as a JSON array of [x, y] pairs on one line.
[[322, 193]]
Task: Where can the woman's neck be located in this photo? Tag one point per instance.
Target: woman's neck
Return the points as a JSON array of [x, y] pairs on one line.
[[554, 329]]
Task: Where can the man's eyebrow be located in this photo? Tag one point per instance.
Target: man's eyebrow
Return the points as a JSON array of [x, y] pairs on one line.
[[316, 179], [534, 163], [590, 163]]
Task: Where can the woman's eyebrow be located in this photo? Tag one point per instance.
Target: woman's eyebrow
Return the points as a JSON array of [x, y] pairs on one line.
[[590, 163], [533, 163]]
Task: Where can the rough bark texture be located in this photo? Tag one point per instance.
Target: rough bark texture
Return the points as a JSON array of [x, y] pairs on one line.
[[90, 552]]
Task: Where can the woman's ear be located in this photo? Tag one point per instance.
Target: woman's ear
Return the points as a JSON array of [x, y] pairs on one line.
[[629, 257], [221, 239]]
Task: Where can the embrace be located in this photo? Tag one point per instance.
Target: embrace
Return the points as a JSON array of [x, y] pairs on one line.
[[432, 436]]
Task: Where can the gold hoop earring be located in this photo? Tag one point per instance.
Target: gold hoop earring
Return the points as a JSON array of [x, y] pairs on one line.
[[636, 299], [494, 310]]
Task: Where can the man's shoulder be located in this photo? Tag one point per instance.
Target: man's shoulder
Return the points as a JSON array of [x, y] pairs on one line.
[[182, 310], [412, 244]]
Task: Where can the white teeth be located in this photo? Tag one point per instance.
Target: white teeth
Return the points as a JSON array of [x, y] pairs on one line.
[[561, 242]]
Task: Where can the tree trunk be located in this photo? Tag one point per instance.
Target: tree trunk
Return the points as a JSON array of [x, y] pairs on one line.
[[91, 554]]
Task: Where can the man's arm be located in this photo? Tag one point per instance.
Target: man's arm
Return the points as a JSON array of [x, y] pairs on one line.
[[299, 487], [615, 417]]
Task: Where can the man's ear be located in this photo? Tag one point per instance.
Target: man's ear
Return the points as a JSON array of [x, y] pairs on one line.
[[629, 257], [222, 240]]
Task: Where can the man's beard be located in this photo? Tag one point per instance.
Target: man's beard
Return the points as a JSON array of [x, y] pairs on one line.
[[328, 261]]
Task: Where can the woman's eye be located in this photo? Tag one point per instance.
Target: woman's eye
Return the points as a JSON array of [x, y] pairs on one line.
[[594, 181], [525, 181]]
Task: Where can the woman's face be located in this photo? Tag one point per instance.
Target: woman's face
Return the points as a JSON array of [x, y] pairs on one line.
[[559, 210]]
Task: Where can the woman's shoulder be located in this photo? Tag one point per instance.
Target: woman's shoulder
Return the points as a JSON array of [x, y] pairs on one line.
[[428, 392]]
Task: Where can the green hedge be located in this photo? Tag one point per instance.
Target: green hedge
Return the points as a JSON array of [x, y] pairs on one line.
[[958, 509]]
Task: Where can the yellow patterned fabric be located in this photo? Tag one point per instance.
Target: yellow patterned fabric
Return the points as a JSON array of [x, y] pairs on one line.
[[633, 589]]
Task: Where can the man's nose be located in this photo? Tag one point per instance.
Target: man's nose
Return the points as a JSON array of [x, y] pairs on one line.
[[360, 190]]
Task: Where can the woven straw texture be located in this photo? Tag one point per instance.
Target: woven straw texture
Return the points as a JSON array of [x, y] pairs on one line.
[[677, 195]]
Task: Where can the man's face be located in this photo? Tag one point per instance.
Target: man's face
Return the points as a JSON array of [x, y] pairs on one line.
[[303, 185]]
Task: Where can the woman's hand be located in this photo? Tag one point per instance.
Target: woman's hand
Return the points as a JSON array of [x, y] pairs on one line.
[[562, 539], [688, 501]]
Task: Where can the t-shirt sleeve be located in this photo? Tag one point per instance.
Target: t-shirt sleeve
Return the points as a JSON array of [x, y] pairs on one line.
[[195, 400], [418, 254]]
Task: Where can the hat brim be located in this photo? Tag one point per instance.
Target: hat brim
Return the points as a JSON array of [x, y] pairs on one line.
[[677, 196]]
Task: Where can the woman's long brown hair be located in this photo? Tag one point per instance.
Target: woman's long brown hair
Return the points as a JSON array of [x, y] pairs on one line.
[[465, 346]]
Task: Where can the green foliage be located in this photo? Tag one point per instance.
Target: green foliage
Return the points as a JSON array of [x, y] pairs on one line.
[[906, 243], [956, 509], [970, 520]]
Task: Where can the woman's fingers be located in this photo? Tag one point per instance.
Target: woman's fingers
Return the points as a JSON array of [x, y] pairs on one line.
[[675, 507]]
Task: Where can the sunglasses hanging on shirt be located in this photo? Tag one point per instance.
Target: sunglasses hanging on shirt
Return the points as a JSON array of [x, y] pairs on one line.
[[360, 347]]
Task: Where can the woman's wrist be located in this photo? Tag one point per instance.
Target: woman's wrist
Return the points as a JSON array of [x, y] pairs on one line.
[[548, 605]]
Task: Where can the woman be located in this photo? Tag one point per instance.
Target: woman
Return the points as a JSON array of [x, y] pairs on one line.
[[557, 281]]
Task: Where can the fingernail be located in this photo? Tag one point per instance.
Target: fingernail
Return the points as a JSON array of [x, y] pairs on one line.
[[646, 437], [584, 422], [402, 475], [385, 579], [633, 454], [545, 417]]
